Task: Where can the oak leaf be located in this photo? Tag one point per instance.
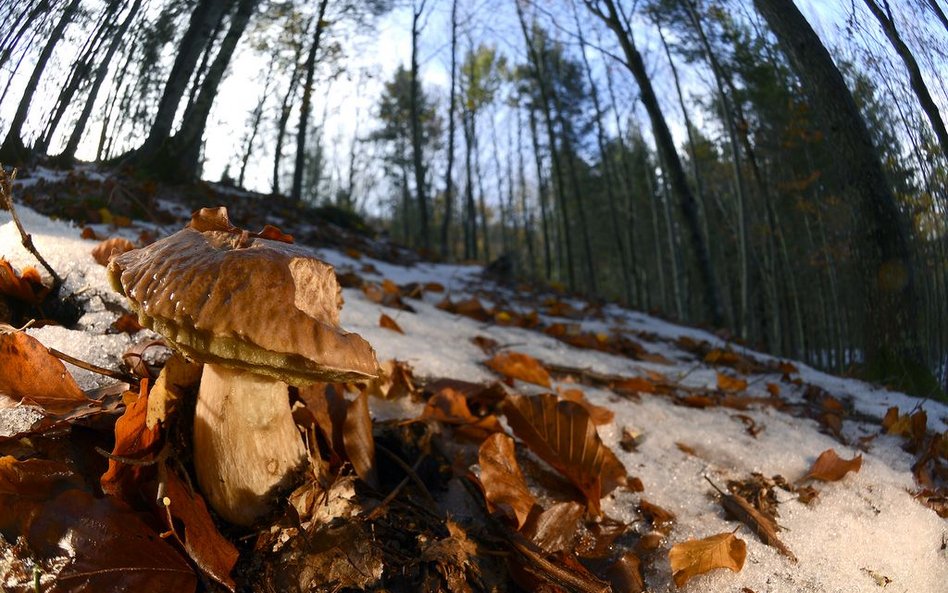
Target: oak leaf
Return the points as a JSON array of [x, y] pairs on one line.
[[829, 467], [520, 366], [562, 434], [505, 488], [693, 557]]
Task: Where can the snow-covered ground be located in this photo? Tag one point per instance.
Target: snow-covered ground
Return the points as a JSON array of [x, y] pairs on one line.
[[863, 533]]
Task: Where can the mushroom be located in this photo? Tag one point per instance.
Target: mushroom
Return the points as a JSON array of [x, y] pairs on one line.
[[261, 314]]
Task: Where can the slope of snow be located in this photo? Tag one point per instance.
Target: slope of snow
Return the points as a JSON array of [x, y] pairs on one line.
[[860, 529]]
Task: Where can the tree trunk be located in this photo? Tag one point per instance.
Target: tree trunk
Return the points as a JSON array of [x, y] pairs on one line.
[[448, 175], [666, 148], [255, 118], [306, 105], [627, 287], [541, 197], [285, 109], [12, 39], [13, 150], [416, 140], [206, 16], [69, 153], [470, 220], [915, 73], [522, 186], [891, 338]]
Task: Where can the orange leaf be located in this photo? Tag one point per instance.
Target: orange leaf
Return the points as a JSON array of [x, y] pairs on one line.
[[829, 467], [728, 383], [106, 250], [389, 323], [694, 557], [634, 385], [211, 552], [599, 414], [29, 372], [27, 286], [562, 434], [449, 406], [358, 441], [520, 366], [504, 486], [389, 287], [133, 439]]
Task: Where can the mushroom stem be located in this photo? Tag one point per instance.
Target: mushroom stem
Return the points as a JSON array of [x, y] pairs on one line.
[[246, 444]]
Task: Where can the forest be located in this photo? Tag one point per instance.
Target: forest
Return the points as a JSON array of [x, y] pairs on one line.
[[776, 172]]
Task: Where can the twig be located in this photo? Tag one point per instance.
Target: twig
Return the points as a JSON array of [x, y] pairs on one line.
[[93, 368], [6, 195], [410, 473]]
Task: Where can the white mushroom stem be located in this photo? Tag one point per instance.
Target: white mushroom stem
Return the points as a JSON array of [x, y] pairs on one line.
[[245, 441]]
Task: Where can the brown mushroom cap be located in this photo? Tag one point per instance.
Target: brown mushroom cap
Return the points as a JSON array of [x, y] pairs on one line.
[[227, 298]]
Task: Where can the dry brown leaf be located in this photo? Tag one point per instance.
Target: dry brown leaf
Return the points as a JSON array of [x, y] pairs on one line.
[[134, 440], [504, 486], [634, 385], [358, 441], [693, 557], [625, 574], [555, 529], [766, 528], [106, 250], [829, 467], [599, 414], [488, 345], [389, 323], [126, 323], [29, 372], [520, 366], [175, 379], [27, 286], [211, 551], [562, 434], [662, 520], [450, 406], [728, 383]]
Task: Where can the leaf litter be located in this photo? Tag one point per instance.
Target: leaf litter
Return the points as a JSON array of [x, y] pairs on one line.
[[342, 528]]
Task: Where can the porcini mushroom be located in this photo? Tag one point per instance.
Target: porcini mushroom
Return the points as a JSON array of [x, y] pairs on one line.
[[261, 314]]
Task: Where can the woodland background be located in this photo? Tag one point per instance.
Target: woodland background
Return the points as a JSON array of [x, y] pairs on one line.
[[776, 174]]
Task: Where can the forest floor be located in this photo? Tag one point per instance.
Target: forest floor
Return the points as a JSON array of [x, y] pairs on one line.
[[693, 463]]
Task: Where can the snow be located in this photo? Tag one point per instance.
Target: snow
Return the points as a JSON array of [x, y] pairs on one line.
[[860, 530]]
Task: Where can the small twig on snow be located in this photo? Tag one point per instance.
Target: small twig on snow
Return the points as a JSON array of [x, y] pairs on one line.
[[6, 198], [93, 368]]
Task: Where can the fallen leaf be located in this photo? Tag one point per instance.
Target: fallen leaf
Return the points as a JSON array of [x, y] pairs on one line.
[[694, 557], [728, 383], [634, 385], [358, 441], [520, 366], [452, 556], [30, 373], [661, 519], [555, 528], [176, 378], [127, 323], [504, 486], [487, 345], [625, 574], [26, 485], [766, 528], [106, 250], [630, 440], [599, 414], [133, 440], [562, 434], [450, 406], [211, 552], [106, 546], [389, 323], [829, 467], [27, 286]]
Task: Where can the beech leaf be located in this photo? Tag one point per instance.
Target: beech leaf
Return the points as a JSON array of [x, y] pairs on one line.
[[599, 414], [133, 439], [693, 557], [729, 383], [829, 467], [389, 323], [766, 528], [29, 372], [106, 250], [562, 434], [107, 547], [504, 486], [520, 366], [450, 406], [211, 552], [357, 439]]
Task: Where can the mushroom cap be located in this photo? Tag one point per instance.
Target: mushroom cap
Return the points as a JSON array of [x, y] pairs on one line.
[[234, 299]]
